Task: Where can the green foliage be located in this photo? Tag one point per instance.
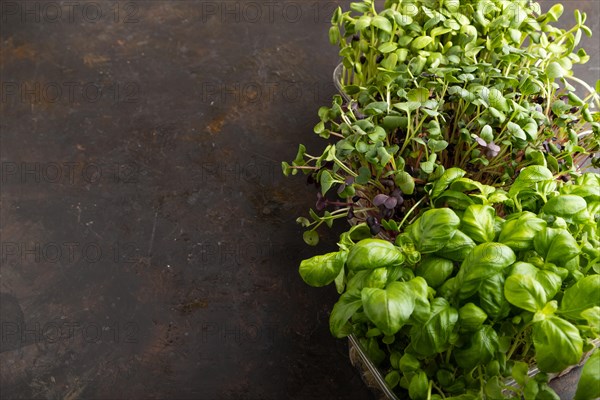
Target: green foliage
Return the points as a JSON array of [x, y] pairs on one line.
[[462, 326], [456, 150]]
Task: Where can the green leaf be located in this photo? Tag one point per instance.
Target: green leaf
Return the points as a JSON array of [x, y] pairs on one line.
[[319, 127], [434, 336], [326, 181], [552, 334], [348, 304], [321, 270], [496, 99], [378, 134], [434, 229], [483, 346], [529, 178], [420, 95], [471, 317], [449, 176], [364, 174], [525, 292], [582, 295], [427, 166], [389, 309], [458, 248], [286, 168], [376, 108], [557, 246], [569, 207], [454, 200], [437, 145], [421, 42], [405, 182], [311, 238], [392, 379], [519, 372], [340, 281], [408, 106], [387, 47], [478, 223], [419, 386], [589, 382], [555, 70], [373, 253], [518, 233], [516, 131], [435, 270], [483, 262], [382, 23], [409, 364], [555, 12], [491, 297], [362, 23]]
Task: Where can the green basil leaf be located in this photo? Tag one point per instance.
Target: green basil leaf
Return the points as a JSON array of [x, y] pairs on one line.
[[389, 309], [449, 176], [518, 233], [589, 382], [529, 177], [373, 253], [525, 292], [433, 336], [483, 346], [582, 295], [458, 248], [471, 317], [569, 207], [550, 281], [491, 297], [484, 261], [435, 270], [557, 344], [434, 229], [348, 304], [454, 200], [377, 278], [556, 246], [358, 280], [419, 386], [420, 292], [409, 364], [478, 223], [321, 270]]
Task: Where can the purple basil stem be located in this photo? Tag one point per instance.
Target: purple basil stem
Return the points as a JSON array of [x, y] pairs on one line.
[[321, 202]]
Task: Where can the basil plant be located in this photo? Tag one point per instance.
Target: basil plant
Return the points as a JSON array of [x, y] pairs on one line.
[[467, 298]]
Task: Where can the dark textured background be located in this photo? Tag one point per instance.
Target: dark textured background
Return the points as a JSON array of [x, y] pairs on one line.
[[149, 248]]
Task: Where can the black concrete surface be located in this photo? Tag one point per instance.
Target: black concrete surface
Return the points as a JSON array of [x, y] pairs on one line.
[[149, 249]]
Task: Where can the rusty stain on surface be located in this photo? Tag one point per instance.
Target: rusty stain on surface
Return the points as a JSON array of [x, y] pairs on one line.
[[216, 125], [20, 52], [92, 60]]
